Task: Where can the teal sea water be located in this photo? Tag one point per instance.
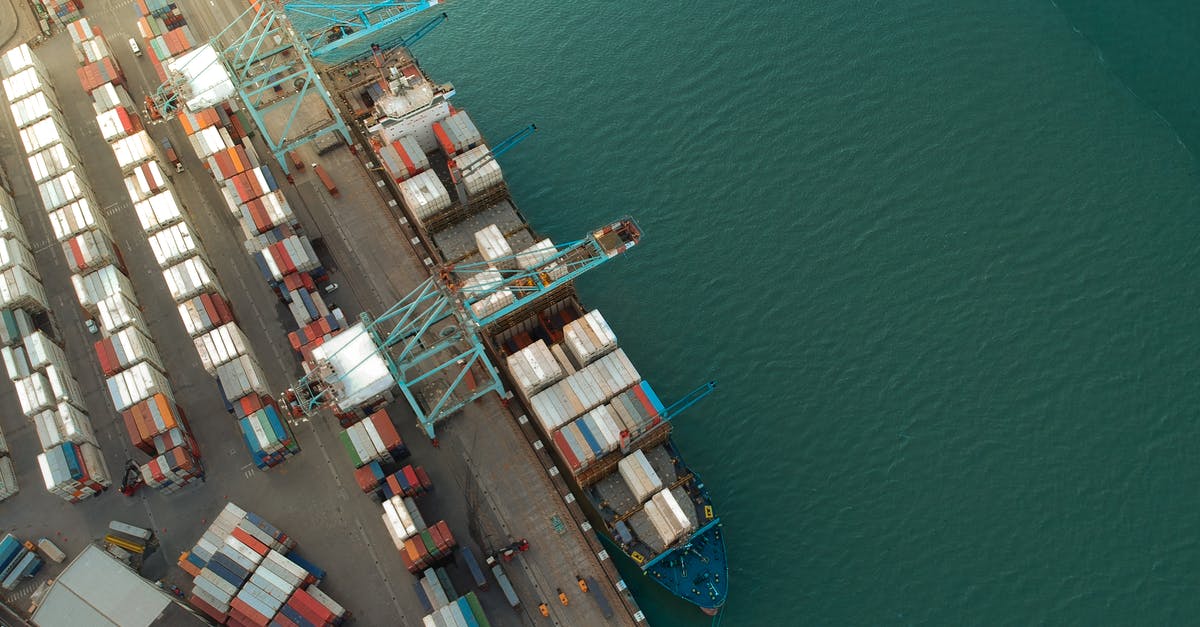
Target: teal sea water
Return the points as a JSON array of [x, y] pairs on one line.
[[941, 257]]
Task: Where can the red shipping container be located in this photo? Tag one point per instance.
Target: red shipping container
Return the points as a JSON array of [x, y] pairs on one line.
[[425, 482], [565, 449], [435, 534], [304, 610], [444, 139], [365, 479], [410, 475], [313, 607], [250, 541], [203, 606], [387, 431], [247, 614], [394, 485]]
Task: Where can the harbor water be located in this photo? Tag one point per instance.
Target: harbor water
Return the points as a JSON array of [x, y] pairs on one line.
[[940, 257]]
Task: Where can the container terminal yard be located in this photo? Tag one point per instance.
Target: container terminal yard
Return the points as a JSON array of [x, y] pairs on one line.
[[211, 309]]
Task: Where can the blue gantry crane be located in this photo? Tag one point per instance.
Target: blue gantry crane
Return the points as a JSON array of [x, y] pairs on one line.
[[268, 52], [431, 339]]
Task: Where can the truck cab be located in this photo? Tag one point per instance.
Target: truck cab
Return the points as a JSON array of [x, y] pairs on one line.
[[172, 156]]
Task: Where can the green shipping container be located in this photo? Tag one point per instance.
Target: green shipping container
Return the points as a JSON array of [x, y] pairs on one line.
[[345, 437], [477, 610]]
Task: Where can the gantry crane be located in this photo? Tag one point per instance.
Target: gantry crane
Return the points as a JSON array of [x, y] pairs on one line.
[[267, 55], [435, 331]]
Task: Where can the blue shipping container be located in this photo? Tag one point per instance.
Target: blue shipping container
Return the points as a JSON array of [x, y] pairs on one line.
[[313, 569]]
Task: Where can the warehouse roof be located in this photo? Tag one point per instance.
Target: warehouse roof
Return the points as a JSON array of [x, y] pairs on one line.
[[96, 589]]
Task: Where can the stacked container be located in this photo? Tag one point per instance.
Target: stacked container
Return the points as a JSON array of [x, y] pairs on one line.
[[584, 390], [127, 355], [165, 32], [402, 158], [428, 547], [465, 610], [8, 477], [476, 171], [246, 573], [261, 425], [71, 464], [372, 439], [424, 195], [273, 237], [457, 134]]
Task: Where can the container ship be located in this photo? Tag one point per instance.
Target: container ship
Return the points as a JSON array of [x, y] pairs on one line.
[[610, 432]]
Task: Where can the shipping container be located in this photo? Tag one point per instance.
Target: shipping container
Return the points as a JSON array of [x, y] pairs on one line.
[[118, 312], [23, 83], [10, 226], [51, 162], [127, 348], [14, 254], [457, 134], [20, 288], [118, 123], [61, 190], [403, 158], [8, 479], [108, 96], [16, 59], [93, 75], [424, 195], [583, 391], [220, 345], [145, 181], [205, 312], [242, 376], [189, 278], [136, 384], [43, 134], [90, 251], [534, 367], [133, 150], [34, 107], [174, 244], [100, 284], [74, 219], [158, 212], [476, 171]]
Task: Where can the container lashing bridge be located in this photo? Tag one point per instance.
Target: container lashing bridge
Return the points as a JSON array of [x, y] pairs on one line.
[[266, 58], [431, 340]]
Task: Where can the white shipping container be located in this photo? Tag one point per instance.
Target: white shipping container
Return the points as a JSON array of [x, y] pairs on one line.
[[42, 351], [112, 124], [62, 190], [208, 142], [220, 345], [16, 362], [74, 219], [34, 394], [240, 377], [15, 324], [658, 519], [63, 386], [32, 108], [424, 195], [478, 170], [195, 317], [43, 134], [129, 387], [589, 337], [103, 283], [132, 346], [13, 253], [639, 475], [132, 150], [189, 278], [24, 83], [17, 59], [534, 367], [536, 255], [20, 288], [108, 96], [8, 479], [94, 462], [492, 245], [93, 49], [51, 162], [118, 312], [10, 226], [173, 244], [158, 212], [145, 180], [64, 423]]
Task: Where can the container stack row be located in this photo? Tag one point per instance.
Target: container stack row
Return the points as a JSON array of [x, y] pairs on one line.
[[220, 344], [465, 610], [128, 358], [8, 477], [473, 170], [246, 573], [165, 32], [273, 236], [17, 562], [584, 392], [373, 439], [71, 463], [63, 12]]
